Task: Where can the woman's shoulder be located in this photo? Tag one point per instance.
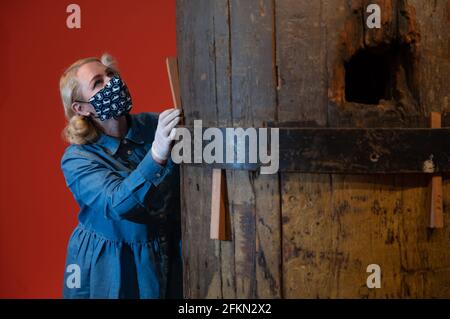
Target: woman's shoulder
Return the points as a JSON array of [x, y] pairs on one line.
[[77, 149], [77, 152]]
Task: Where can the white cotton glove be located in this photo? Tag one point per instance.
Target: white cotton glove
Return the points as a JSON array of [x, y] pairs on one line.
[[165, 133]]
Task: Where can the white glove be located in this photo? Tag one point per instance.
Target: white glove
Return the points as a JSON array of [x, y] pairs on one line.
[[165, 133]]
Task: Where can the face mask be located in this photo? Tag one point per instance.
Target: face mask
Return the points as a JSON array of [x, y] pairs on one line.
[[113, 101]]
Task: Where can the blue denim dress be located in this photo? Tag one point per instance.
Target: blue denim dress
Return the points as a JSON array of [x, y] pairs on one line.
[[128, 240]]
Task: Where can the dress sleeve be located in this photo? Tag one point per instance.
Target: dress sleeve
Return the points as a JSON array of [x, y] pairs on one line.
[[117, 195]]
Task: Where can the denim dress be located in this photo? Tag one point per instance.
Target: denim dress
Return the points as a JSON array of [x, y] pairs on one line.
[[128, 240]]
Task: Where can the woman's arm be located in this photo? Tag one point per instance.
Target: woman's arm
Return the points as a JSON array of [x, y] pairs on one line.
[[118, 196]]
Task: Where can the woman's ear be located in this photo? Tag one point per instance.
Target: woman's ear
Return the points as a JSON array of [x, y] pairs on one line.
[[81, 109]]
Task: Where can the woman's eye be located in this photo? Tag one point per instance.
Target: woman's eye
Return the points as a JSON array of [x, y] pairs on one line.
[[96, 82]]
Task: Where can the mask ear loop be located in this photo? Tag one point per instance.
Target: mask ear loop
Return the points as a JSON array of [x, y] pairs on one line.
[[91, 116]]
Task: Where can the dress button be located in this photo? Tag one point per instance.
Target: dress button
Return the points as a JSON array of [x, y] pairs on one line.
[[158, 175], [129, 152], [163, 238], [125, 142]]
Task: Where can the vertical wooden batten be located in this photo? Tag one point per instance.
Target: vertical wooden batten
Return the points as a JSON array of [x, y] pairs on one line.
[[436, 213]]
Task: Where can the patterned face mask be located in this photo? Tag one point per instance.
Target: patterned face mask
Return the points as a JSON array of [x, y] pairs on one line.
[[113, 101]]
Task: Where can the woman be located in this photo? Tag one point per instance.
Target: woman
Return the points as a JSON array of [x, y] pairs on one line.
[[119, 170]]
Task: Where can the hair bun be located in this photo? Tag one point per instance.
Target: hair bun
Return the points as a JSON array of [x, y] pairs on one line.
[[80, 130], [79, 124]]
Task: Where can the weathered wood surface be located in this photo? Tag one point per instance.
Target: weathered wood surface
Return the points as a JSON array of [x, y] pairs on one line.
[[201, 256], [311, 235]]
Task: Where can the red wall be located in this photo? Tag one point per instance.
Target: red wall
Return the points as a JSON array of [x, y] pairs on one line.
[[37, 211]]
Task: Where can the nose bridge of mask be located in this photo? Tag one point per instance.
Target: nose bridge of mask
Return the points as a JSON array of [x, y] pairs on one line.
[[102, 90]]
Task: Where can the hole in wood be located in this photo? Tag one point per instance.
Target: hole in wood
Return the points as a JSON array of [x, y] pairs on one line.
[[374, 157], [370, 75]]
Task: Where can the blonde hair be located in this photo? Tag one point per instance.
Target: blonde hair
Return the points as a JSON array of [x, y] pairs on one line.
[[79, 129]]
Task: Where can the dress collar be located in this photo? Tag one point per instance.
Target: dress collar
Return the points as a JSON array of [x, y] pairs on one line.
[[134, 134]]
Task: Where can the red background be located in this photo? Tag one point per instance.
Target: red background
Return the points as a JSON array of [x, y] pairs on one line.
[[37, 211]]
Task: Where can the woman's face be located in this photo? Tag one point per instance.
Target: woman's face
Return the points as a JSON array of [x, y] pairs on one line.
[[92, 77]]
